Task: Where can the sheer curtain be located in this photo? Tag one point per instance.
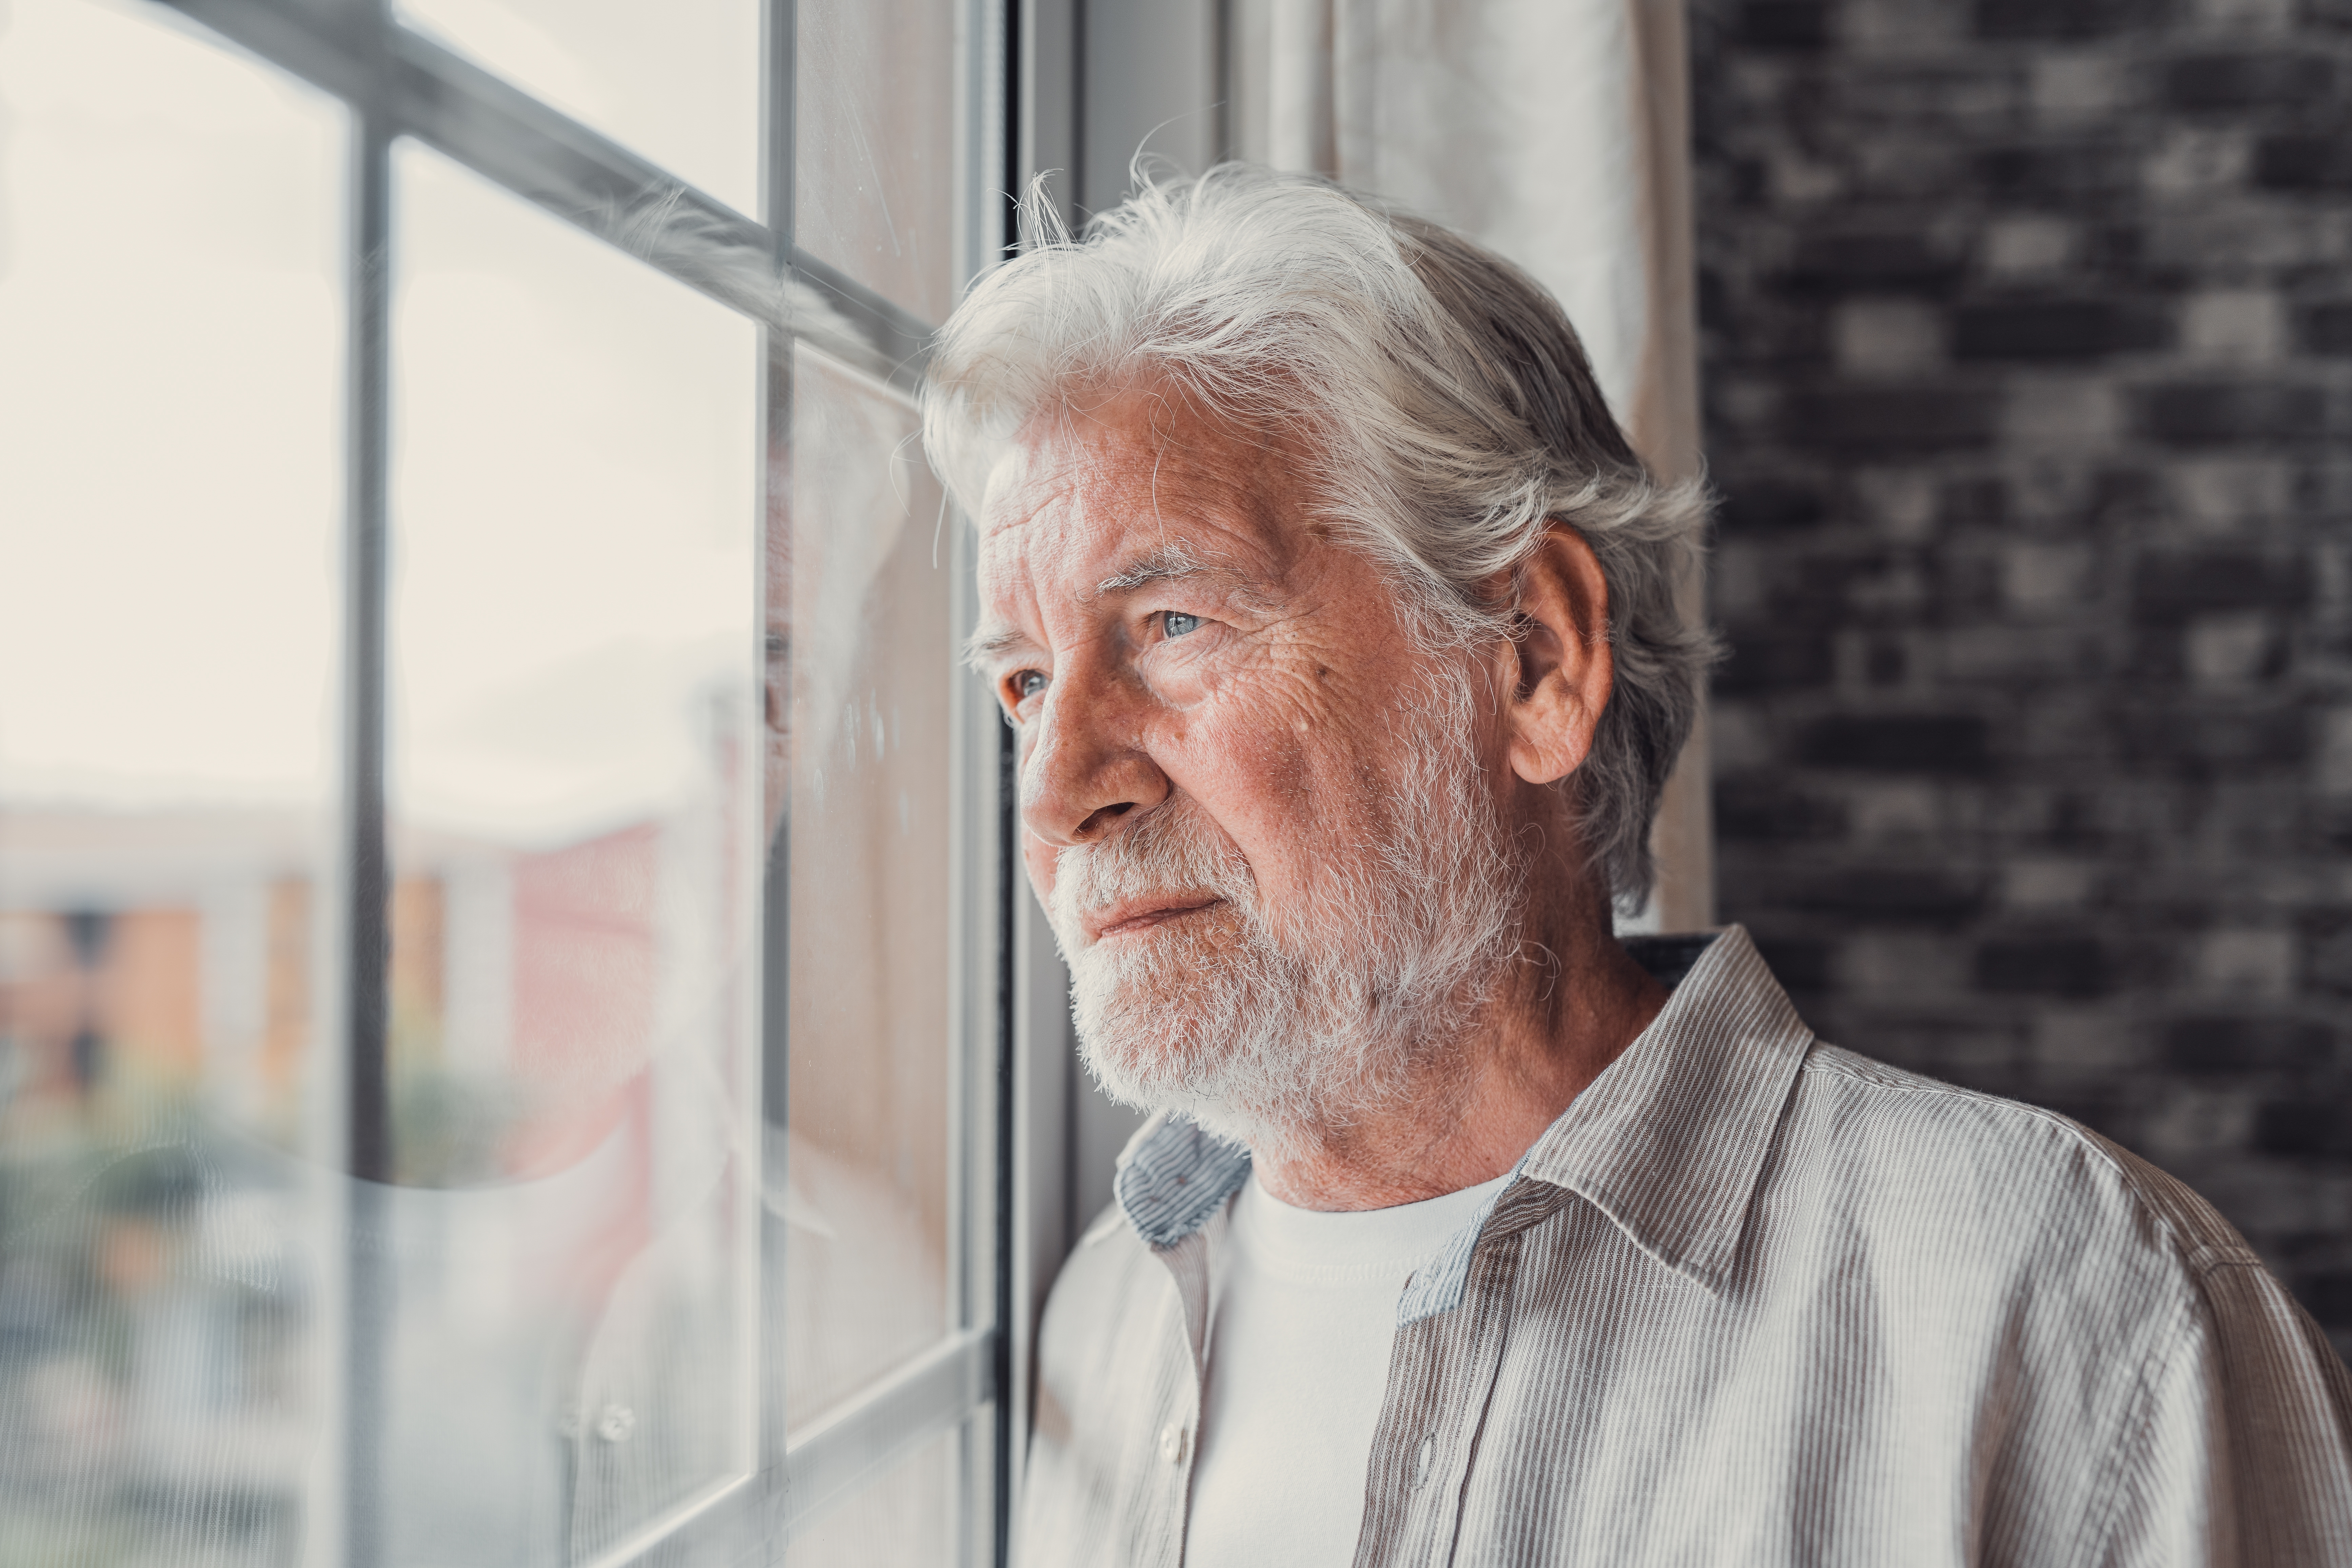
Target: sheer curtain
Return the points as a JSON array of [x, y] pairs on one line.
[[1555, 131]]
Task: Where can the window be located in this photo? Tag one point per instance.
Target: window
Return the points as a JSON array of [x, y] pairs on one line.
[[504, 952]]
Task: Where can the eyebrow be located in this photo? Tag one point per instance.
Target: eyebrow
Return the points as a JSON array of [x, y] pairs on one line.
[[1171, 562], [991, 641], [1164, 565]]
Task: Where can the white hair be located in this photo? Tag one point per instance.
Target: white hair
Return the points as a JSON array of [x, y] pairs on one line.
[[1443, 399]]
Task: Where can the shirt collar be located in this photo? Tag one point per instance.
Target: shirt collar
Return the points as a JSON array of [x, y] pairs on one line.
[[1173, 1175], [1667, 1142]]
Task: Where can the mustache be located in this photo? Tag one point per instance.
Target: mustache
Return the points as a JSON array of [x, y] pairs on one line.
[[1172, 851]]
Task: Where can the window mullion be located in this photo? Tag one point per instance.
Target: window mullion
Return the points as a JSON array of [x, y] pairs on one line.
[[824, 1462], [367, 1110], [781, 22], [777, 175]]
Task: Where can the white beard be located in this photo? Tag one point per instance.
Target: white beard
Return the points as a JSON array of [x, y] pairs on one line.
[[1276, 1039]]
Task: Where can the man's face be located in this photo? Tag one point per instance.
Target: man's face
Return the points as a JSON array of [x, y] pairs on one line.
[[1246, 791]]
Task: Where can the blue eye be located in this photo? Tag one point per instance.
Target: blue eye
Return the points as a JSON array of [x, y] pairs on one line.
[[1176, 623], [1026, 684]]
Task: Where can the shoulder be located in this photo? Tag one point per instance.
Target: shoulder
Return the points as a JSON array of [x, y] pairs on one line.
[[1109, 1277], [2136, 1343], [2005, 1184], [1105, 1253]]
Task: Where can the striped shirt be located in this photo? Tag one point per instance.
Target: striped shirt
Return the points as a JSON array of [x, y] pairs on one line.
[[1751, 1299]]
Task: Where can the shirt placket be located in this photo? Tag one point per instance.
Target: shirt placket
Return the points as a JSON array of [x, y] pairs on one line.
[[1175, 1442], [1442, 1371]]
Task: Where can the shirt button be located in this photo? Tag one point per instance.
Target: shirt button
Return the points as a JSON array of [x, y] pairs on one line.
[[616, 1422], [1171, 1443], [1421, 1460]]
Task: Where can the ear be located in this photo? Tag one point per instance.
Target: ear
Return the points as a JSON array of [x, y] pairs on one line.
[[1564, 669]]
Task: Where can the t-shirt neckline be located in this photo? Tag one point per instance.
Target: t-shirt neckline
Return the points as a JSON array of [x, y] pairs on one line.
[[1317, 1246]]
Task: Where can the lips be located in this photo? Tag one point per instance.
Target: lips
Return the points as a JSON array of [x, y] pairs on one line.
[[1136, 915]]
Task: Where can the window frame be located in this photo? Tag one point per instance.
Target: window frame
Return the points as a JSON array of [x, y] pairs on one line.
[[398, 83], [1093, 78]]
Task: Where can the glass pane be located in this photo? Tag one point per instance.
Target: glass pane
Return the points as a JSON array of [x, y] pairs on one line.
[[868, 1201], [575, 808], [678, 83], [171, 376], [910, 1516], [874, 140]]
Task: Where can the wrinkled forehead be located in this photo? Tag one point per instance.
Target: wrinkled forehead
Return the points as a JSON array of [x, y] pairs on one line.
[[1082, 486]]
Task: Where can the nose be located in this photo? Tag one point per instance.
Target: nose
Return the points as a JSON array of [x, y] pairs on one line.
[[1086, 770]]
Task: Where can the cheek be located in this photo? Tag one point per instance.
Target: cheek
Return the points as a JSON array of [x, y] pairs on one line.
[[1286, 777], [1243, 758]]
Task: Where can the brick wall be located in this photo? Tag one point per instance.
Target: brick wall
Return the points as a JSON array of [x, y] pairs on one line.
[[2028, 339]]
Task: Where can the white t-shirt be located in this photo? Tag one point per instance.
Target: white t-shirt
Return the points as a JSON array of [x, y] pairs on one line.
[[1299, 1331]]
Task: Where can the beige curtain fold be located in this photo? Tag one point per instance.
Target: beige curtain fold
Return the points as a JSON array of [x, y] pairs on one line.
[[1556, 133]]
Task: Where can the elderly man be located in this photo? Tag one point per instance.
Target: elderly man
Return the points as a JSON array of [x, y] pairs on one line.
[[1336, 619]]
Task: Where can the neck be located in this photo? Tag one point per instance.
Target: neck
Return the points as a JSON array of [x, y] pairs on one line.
[[1574, 1000]]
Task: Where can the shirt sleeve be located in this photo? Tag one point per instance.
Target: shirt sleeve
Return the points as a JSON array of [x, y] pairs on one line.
[[2240, 1449]]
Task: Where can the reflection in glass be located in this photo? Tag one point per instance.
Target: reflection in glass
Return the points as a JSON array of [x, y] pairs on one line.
[[678, 83], [563, 1281], [909, 1516], [872, 1030], [875, 146], [169, 645], [575, 840]]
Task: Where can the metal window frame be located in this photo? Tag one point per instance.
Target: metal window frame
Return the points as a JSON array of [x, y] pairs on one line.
[[407, 85], [1093, 78], [398, 83]]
